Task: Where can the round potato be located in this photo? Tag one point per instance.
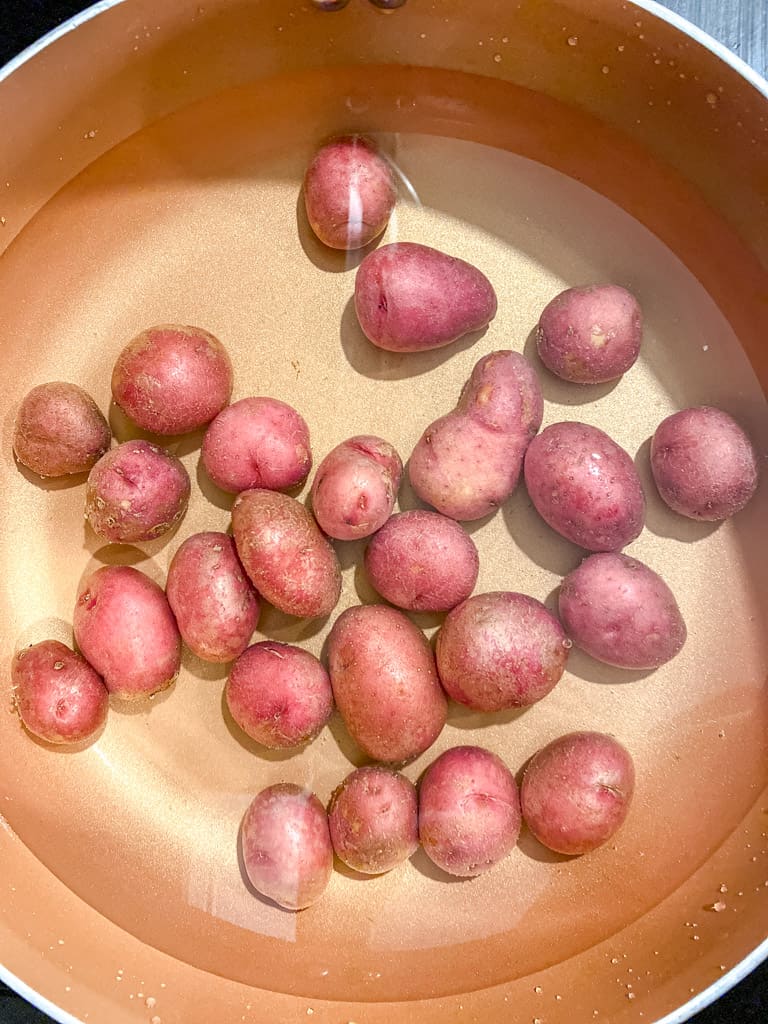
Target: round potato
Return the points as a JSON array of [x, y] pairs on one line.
[[576, 791], [59, 430]]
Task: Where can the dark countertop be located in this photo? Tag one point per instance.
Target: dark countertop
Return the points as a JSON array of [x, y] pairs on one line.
[[743, 26]]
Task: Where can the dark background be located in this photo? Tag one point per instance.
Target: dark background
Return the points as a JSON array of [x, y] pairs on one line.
[[740, 24]]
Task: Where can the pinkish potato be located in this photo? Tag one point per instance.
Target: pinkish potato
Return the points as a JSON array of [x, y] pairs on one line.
[[469, 811], [279, 695], [257, 442], [409, 297], [58, 695], [355, 487], [592, 334], [289, 561], [619, 611], [704, 465], [468, 462], [286, 846], [209, 592], [385, 683], [576, 791], [585, 486], [136, 491], [500, 650], [349, 192], [172, 379], [422, 561], [125, 628], [373, 818], [59, 430]]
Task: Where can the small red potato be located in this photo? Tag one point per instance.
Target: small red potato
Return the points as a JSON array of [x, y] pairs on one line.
[[468, 462], [500, 650], [576, 791], [60, 698], [590, 335], [172, 379], [257, 442], [619, 611], [125, 628], [215, 605], [409, 297], [469, 811], [585, 486], [59, 430], [704, 465], [374, 821], [349, 192], [289, 561], [422, 561], [136, 491], [279, 695], [385, 683], [286, 846], [355, 487]]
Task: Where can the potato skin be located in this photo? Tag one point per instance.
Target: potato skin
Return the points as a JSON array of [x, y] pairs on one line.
[[355, 487], [410, 297], [576, 791], [125, 628], [500, 650], [257, 442], [621, 612], [279, 695], [289, 561], [704, 465], [422, 561], [385, 683], [59, 430], [585, 486], [171, 379], [349, 192], [469, 811], [215, 605], [373, 819], [591, 334], [468, 462], [60, 698], [286, 846], [136, 491]]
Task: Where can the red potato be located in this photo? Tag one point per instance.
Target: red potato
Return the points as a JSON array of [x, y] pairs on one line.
[[279, 695], [373, 819], [215, 605], [286, 846], [171, 379], [622, 613], [349, 192], [125, 628], [422, 561], [468, 462], [500, 650], [257, 442], [136, 491], [590, 335], [385, 683], [289, 561], [60, 698], [576, 792], [585, 486], [704, 464], [355, 487], [59, 430], [469, 811], [409, 298]]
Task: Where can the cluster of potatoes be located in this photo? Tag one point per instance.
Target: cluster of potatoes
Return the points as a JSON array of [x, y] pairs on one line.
[[494, 651]]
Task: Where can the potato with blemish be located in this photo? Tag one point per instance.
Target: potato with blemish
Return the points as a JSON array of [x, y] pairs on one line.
[[59, 430]]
